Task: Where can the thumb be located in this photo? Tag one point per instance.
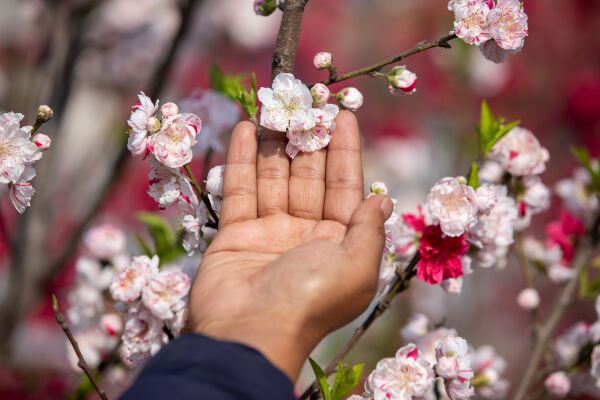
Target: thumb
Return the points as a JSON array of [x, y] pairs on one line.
[[366, 234]]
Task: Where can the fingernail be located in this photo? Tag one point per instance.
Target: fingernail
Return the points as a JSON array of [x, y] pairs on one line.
[[387, 206]]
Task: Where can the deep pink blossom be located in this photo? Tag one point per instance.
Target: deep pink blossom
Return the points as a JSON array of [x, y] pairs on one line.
[[440, 256], [564, 233]]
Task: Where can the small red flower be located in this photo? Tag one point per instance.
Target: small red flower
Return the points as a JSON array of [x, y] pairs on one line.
[[564, 233], [440, 255]]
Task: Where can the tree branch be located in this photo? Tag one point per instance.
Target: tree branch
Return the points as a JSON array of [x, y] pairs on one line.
[[544, 333], [82, 363], [288, 37], [442, 42], [398, 285]]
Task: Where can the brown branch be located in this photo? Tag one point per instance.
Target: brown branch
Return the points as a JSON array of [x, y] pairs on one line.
[[288, 37], [442, 42], [544, 333], [398, 285], [81, 363], [523, 261]]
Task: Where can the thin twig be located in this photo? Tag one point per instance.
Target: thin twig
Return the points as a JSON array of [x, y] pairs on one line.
[[288, 37], [398, 285], [442, 42], [200, 193], [523, 261], [81, 363]]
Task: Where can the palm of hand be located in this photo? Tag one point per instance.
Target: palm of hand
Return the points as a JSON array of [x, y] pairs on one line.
[[289, 263]]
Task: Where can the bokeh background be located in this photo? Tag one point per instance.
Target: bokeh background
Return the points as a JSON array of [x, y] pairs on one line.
[[87, 59]]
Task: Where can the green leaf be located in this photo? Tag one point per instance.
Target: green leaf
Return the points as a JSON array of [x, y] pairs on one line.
[[231, 86], [594, 287], [500, 132], [345, 381], [491, 130], [321, 379], [144, 246], [161, 233], [473, 177], [583, 283], [487, 120]]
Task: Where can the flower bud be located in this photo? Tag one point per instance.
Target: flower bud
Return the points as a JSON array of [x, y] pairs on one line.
[[153, 124], [322, 60], [529, 299], [558, 384], [111, 324], [169, 110], [350, 98], [378, 187], [402, 81], [42, 141], [44, 114], [320, 93], [264, 7]]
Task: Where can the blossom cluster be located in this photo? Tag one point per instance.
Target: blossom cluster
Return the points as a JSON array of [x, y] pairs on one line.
[[18, 153], [498, 27]]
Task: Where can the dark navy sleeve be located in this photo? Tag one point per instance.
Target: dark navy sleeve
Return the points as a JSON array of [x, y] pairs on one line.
[[198, 367]]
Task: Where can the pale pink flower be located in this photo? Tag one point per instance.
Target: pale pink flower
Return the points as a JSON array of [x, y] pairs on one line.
[[350, 98], [416, 327], [218, 113], [214, 180], [566, 347], [286, 106], [488, 364], [21, 191], [127, 285], [520, 153], [322, 60], [402, 81], [42, 141], [168, 185], [16, 150], [111, 324], [559, 273], [452, 285], [403, 377], [576, 196], [90, 271], [528, 299], [471, 20], [454, 205], [320, 93], [454, 365], [172, 145], [143, 336], [403, 231], [508, 24], [491, 172], [104, 241], [192, 223], [318, 136], [486, 198], [169, 110], [595, 362], [138, 124], [537, 195], [163, 294], [558, 384], [428, 343]]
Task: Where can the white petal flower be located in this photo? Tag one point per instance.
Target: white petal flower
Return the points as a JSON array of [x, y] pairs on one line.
[[520, 153], [402, 81], [318, 136], [21, 191], [168, 185], [192, 223], [320, 93], [16, 149], [163, 295], [104, 241], [453, 205], [508, 24], [558, 384], [486, 198], [43, 142], [575, 195], [143, 336], [172, 145], [537, 195], [138, 124], [471, 20], [214, 180], [350, 98], [286, 105], [127, 285], [528, 299]]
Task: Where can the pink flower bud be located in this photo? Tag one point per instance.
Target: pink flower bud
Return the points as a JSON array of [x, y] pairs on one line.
[[529, 299], [42, 141], [350, 98], [111, 324], [378, 187], [322, 60], [169, 110], [320, 93], [558, 384], [153, 125], [402, 81]]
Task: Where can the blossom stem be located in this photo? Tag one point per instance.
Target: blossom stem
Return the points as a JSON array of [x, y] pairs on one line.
[[523, 261], [544, 332], [81, 363], [442, 42], [200, 193], [398, 285]]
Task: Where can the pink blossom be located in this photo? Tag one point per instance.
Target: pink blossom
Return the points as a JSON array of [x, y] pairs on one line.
[[16, 151], [564, 233], [127, 285], [143, 336], [104, 241], [318, 136], [520, 153], [440, 256], [168, 185], [403, 233], [193, 223], [454, 365], [486, 198], [454, 205], [320, 93], [452, 285], [402, 81], [42, 141], [111, 324], [558, 384], [470, 20], [214, 180], [508, 24], [350, 98], [322, 60], [405, 376], [537, 195], [172, 145], [163, 295], [528, 299], [489, 366], [566, 347], [21, 191], [576, 196], [138, 124]]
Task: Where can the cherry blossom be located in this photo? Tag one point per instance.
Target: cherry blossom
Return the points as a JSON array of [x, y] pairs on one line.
[[286, 105], [528, 299], [520, 153], [16, 149], [350, 98], [537, 195], [21, 191], [454, 205], [42, 141], [508, 24], [558, 384], [403, 233], [566, 347], [486, 198], [143, 336], [111, 324], [168, 185], [214, 186], [470, 20], [163, 295], [192, 223], [576, 196], [454, 365], [172, 145], [138, 124], [318, 136], [488, 368], [320, 93], [402, 377], [322, 60], [402, 81], [439, 256], [169, 110], [104, 241], [127, 285]]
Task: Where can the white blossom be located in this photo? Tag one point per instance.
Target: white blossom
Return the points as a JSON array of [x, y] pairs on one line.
[[138, 124], [402, 81], [172, 145], [169, 110], [470, 20], [486, 198], [286, 105], [192, 223], [164, 292], [21, 191], [558, 384], [454, 365], [143, 336], [454, 205], [42, 141], [104, 241], [214, 180], [520, 153], [576, 196], [350, 98], [508, 24], [320, 93], [318, 136], [537, 195], [416, 327], [127, 285], [528, 299]]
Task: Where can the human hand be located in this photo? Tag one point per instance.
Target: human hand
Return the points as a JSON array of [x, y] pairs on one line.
[[298, 250]]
